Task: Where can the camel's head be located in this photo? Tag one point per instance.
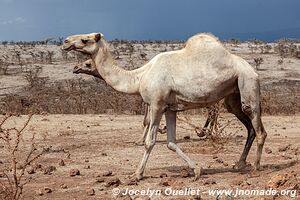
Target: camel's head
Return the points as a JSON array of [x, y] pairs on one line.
[[87, 67], [85, 43]]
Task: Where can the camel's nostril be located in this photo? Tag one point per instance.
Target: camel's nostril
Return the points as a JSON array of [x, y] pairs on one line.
[[66, 41]]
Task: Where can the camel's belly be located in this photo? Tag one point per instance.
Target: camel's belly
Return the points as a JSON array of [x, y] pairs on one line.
[[202, 96]]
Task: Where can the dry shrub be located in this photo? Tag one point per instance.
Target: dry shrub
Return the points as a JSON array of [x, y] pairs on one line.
[[72, 97], [17, 158], [215, 129]]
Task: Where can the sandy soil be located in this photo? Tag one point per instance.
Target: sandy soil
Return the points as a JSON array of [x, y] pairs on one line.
[[99, 144]]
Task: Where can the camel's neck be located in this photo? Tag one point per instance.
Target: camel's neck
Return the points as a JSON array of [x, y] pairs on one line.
[[118, 78]]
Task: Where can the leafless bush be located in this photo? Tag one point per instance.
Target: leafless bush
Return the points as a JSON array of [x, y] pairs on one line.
[[3, 67], [258, 62], [18, 159], [33, 78]]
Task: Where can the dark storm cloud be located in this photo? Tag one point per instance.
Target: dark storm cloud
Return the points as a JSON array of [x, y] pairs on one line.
[[144, 19]]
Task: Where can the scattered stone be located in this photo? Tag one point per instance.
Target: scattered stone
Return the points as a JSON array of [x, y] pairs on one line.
[[90, 192], [187, 137], [162, 175], [215, 157], [131, 182], [103, 154], [100, 180], [218, 160], [113, 182], [47, 190], [86, 160], [39, 192], [87, 167], [37, 166], [30, 170], [197, 197], [63, 186], [167, 181], [284, 148], [107, 173], [74, 172], [184, 173], [277, 180], [210, 182], [48, 170], [61, 163], [268, 150]]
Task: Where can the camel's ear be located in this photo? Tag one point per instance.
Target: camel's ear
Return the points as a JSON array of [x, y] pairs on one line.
[[98, 37]]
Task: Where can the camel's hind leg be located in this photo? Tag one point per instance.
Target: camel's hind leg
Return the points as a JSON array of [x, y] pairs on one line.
[[234, 106], [250, 99]]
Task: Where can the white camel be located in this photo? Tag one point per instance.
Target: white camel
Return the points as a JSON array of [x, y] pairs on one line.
[[198, 75], [88, 67]]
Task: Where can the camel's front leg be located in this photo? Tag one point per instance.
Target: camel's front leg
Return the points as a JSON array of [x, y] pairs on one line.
[[171, 139], [155, 117]]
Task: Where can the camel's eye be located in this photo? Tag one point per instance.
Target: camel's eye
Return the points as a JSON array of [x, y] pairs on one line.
[[84, 41], [88, 65]]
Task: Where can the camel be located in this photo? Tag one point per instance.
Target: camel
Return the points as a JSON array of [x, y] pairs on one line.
[[88, 67], [198, 75]]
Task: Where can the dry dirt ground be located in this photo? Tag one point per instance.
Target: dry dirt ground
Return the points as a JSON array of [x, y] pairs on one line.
[[102, 148]]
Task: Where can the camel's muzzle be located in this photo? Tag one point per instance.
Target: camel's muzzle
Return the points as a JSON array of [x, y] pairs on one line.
[[76, 70]]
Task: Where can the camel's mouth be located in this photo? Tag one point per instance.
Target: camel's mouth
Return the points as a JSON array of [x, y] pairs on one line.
[[76, 70], [68, 47]]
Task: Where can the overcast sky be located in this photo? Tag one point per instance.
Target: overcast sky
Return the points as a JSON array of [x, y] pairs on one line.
[[145, 19]]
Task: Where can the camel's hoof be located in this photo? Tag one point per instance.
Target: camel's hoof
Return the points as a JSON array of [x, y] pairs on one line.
[[136, 177], [197, 172], [257, 167], [239, 165]]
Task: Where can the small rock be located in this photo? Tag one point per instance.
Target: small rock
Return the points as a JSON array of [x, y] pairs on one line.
[[90, 192], [131, 182], [100, 180], [39, 192], [103, 154], [268, 150], [162, 175], [86, 160], [277, 180], [48, 170], [167, 181], [63, 186], [184, 173], [215, 157], [47, 190], [210, 182], [61, 163], [113, 182], [219, 160], [107, 173], [284, 148], [74, 172], [87, 167], [187, 137], [30, 170]]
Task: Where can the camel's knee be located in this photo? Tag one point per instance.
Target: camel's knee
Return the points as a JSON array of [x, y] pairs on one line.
[[261, 137], [171, 146], [246, 108], [149, 144]]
